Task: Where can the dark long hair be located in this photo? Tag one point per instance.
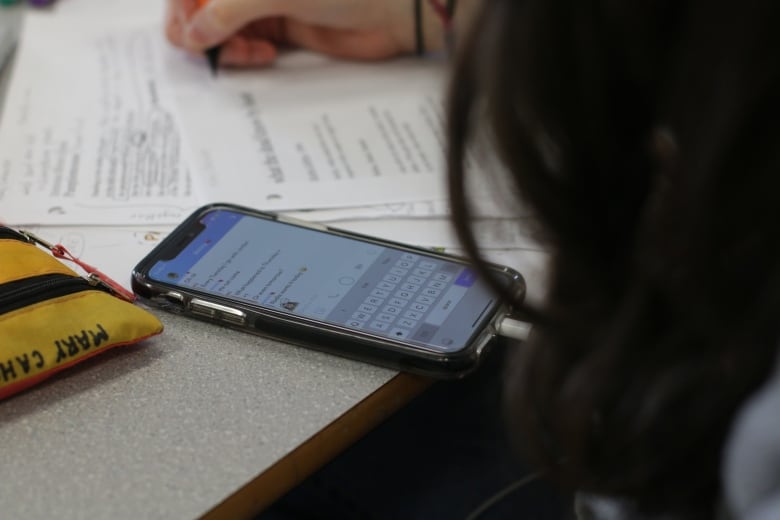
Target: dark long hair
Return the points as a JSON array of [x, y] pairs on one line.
[[645, 137]]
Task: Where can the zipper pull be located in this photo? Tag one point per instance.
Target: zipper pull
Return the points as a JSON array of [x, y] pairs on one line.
[[99, 279], [94, 276], [35, 239]]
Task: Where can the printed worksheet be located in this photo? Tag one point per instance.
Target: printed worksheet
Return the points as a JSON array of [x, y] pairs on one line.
[[89, 132], [315, 132], [106, 122]]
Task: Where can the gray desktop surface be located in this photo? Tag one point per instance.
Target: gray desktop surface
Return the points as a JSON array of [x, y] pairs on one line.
[[171, 427], [168, 428]]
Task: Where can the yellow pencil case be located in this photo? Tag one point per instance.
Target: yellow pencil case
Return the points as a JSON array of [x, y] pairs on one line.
[[51, 318]]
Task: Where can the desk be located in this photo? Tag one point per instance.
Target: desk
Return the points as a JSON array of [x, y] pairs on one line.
[[198, 422]]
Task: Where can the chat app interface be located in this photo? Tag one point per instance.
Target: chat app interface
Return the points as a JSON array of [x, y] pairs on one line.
[[384, 291]]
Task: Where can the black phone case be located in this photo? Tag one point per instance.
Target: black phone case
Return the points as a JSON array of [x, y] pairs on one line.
[[307, 332]]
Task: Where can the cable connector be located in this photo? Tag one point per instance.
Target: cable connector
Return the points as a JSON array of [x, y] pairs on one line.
[[514, 329]]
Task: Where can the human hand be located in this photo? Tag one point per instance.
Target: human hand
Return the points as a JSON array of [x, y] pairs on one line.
[[251, 31]]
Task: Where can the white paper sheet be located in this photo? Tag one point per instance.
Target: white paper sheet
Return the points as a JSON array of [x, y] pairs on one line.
[[89, 132], [113, 250], [313, 132], [414, 209], [106, 122]]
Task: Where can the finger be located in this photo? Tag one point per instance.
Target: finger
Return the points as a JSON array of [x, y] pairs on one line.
[[244, 52], [273, 30], [220, 19], [363, 45], [178, 13], [173, 28], [174, 34], [187, 9], [181, 10]]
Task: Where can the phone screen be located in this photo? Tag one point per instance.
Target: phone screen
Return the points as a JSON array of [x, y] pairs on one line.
[[385, 291]]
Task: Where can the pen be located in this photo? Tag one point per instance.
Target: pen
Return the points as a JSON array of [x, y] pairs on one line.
[[212, 53]]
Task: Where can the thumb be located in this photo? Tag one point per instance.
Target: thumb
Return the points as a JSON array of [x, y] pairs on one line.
[[218, 20]]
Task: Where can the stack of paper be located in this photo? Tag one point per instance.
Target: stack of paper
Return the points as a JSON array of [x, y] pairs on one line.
[[118, 128]]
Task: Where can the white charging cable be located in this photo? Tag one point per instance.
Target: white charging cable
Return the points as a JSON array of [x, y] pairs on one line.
[[514, 329]]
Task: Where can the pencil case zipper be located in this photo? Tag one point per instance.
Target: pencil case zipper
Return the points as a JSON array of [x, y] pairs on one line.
[[10, 233], [29, 291]]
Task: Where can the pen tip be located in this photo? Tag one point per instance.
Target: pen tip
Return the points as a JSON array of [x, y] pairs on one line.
[[212, 55]]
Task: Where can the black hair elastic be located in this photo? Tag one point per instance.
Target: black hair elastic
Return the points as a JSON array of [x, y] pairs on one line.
[[445, 12], [418, 28], [451, 8]]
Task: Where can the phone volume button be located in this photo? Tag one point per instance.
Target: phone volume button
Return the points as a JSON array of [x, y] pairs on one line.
[[215, 310], [202, 308], [173, 297], [234, 316]]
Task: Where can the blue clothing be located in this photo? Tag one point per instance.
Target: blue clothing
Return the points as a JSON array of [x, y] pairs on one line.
[[751, 461], [750, 472]]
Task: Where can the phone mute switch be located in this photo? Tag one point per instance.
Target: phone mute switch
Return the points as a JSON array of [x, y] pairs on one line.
[[217, 311]]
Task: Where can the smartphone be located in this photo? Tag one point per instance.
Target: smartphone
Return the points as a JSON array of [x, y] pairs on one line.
[[400, 306]]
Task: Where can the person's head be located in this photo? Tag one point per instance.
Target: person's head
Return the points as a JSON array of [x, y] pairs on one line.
[[645, 136]]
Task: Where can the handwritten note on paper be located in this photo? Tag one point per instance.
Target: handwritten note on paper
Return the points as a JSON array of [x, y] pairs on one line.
[[88, 132]]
